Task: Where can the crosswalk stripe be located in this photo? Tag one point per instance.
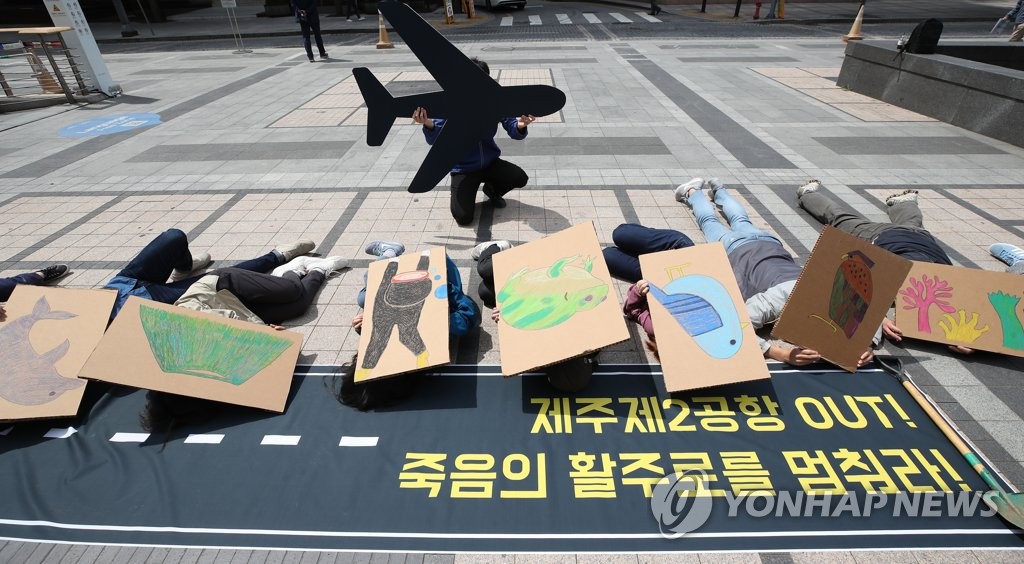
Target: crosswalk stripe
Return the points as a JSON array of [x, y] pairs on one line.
[[129, 437], [347, 441], [204, 439], [591, 18], [281, 440]]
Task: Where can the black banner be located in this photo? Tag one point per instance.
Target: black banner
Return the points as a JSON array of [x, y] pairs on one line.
[[475, 462]]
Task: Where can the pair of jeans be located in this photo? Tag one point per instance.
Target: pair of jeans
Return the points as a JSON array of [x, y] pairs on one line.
[[312, 24], [740, 230], [632, 240], [7, 284], [169, 251], [501, 175], [904, 214], [275, 299]]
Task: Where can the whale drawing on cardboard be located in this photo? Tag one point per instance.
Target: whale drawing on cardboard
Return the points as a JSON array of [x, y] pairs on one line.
[[30, 377]]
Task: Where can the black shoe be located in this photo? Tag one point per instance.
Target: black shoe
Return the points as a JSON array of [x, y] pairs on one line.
[[311, 60], [324, 56], [496, 201], [55, 272]]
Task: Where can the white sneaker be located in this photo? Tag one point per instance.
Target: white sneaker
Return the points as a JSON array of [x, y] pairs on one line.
[[714, 185], [361, 18], [292, 250], [810, 186], [327, 265], [199, 262], [378, 248], [298, 265], [904, 196], [1010, 254], [479, 249], [682, 189]]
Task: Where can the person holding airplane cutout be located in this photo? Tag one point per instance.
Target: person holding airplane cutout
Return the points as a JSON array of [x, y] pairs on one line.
[[481, 165]]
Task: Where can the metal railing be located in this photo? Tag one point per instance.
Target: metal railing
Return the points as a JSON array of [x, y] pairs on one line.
[[43, 66]]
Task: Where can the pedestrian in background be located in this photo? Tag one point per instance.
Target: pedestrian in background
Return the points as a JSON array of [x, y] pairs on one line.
[[655, 8], [308, 16], [353, 8], [1016, 17]]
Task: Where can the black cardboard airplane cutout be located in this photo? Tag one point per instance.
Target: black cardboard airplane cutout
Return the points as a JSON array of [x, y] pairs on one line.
[[470, 101]]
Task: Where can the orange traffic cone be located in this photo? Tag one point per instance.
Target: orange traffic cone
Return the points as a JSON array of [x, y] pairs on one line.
[[382, 41], [854, 34]]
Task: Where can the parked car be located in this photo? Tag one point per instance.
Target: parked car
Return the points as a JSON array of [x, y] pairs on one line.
[[517, 4]]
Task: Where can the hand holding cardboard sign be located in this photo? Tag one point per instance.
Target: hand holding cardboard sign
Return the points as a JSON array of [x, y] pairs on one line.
[[419, 115]]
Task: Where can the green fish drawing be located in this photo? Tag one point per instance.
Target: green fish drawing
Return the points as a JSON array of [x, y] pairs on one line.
[[545, 297]]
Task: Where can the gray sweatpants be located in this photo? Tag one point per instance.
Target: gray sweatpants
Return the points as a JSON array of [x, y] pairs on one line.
[[827, 211]]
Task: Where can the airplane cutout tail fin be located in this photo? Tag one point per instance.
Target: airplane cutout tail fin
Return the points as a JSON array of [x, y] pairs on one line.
[[380, 106]]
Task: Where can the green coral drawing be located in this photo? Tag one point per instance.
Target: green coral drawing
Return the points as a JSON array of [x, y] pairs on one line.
[[183, 344], [548, 296], [1006, 307]]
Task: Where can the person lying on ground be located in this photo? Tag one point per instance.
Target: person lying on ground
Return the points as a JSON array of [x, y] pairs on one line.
[[165, 268], [570, 375], [42, 277], [904, 235], [632, 240], [463, 316], [257, 297], [765, 271]]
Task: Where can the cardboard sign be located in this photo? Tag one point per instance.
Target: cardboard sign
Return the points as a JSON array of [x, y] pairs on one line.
[[700, 315], [842, 295], [405, 323], [171, 349], [980, 309], [556, 300], [46, 338]]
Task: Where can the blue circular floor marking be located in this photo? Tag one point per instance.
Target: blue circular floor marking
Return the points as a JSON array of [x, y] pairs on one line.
[[109, 124]]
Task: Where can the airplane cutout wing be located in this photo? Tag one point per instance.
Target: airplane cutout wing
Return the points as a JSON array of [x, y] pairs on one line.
[[449, 66], [471, 101], [456, 140]]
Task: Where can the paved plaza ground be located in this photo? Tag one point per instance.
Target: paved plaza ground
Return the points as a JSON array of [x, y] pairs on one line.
[[265, 148]]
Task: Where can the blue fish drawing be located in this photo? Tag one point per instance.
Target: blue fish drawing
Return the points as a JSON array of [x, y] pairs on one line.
[[704, 309]]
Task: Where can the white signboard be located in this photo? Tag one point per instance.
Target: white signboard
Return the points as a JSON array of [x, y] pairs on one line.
[[228, 3], [68, 13]]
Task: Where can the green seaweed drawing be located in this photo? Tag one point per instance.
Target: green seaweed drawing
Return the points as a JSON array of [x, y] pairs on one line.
[[1006, 307], [183, 344]]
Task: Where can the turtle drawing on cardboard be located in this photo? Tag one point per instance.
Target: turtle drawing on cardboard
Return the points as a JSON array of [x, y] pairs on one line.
[[548, 296], [851, 294]]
